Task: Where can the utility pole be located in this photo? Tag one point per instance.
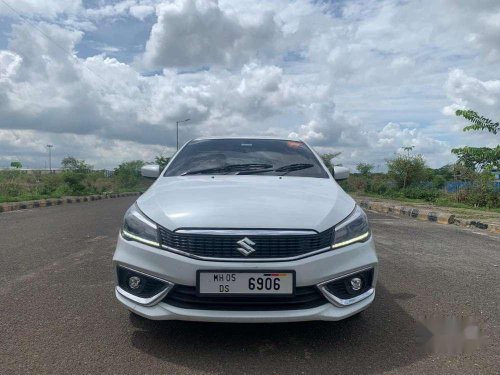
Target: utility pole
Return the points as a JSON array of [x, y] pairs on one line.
[[50, 157], [177, 125]]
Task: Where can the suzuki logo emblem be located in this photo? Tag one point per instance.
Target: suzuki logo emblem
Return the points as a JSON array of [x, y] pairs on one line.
[[246, 246]]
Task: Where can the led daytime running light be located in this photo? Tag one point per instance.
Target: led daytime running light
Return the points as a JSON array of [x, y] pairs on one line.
[[352, 240], [140, 239]]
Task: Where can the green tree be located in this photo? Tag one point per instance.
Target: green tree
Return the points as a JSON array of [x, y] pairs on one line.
[[462, 172], [128, 174], [16, 164], [327, 159], [408, 149], [478, 157], [162, 161], [406, 169], [445, 171], [478, 122], [364, 169], [70, 163]]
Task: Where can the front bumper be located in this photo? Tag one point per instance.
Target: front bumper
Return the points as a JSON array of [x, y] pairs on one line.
[[310, 271]]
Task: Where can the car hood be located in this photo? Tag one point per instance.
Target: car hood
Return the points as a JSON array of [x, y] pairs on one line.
[[250, 202]]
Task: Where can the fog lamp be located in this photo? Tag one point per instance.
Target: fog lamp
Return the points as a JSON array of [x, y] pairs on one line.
[[134, 282], [356, 283]]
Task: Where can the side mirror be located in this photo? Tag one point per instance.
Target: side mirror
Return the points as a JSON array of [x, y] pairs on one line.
[[340, 173], [150, 171]]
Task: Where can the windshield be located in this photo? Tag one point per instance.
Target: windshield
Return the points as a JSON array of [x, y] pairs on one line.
[[266, 157]]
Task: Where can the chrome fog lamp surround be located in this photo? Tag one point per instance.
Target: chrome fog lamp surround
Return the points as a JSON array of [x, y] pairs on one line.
[[342, 302], [144, 301], [353, 229]]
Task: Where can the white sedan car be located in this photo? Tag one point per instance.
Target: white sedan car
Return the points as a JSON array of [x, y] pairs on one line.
[[245, 230]]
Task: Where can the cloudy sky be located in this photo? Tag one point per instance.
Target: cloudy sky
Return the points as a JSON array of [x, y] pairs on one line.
[[105, 81]]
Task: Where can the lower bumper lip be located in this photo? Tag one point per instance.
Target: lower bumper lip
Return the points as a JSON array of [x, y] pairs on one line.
[[326, 312], [346, 302], [145, 301]]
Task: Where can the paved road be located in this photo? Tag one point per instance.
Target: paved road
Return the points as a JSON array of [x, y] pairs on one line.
[[59, 315]]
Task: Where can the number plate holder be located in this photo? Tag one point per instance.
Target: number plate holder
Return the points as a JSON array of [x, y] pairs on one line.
[[206, 285]]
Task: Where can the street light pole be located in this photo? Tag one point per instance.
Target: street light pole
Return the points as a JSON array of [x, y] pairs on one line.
[[50, 157], [177, 126]]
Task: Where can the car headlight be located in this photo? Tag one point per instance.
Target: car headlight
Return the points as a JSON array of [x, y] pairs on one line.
[[353, 229], [138, 227]]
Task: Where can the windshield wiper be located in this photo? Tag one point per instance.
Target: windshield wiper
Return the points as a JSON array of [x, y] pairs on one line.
[[293, 167], [285, 169], [230, 168]]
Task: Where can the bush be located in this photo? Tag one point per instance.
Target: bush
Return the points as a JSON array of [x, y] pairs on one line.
[[51, 183], [77, 178], [354, 183], [481, 193], [379, 185], [438, 182], [417, 192], [74, 180], [128, 174], [11, 188]]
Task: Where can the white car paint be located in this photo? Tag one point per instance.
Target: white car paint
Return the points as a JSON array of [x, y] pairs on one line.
[[227, 201]]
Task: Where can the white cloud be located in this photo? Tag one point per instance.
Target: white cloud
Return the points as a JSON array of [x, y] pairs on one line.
[[328, 128], [141, 11], [53, 91], [46, 8], [9, 63], [467, 91], [397, 136], [377, 146], [110, 10], [362, 77], [198, 32]]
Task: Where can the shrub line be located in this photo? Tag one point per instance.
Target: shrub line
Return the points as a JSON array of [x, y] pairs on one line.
[[15, 206]]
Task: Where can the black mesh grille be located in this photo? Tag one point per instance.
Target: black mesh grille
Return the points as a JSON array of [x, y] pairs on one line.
[[266, 246], [304, 298]]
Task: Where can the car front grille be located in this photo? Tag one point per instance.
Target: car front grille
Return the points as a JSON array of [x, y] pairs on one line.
[[185, 297], [265, 246]]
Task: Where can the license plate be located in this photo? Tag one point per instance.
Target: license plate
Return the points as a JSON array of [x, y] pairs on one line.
[[245, 283]]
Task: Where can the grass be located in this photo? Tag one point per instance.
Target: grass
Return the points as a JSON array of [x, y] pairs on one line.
[[27, 197], [34, 197]]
